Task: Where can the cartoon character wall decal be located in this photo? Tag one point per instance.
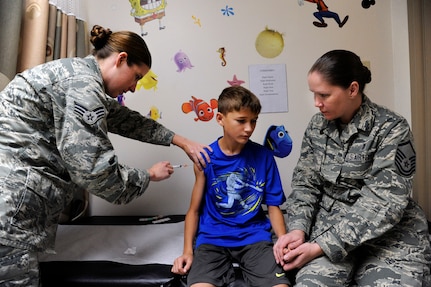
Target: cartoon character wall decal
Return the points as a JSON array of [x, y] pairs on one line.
[[149, 81], [154, 113], [222, 52], [203, 110], [182, 61], [269, 43], [148, 10], [235, 81], [324, 12], [367, 3], [196, 21], [227, 11], [278, 140]]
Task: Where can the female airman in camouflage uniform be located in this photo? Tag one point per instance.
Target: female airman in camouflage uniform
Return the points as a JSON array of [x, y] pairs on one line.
[[351, 220], [54, 124]]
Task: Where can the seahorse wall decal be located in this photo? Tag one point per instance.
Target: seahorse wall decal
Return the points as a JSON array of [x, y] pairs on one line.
[[222, 52]]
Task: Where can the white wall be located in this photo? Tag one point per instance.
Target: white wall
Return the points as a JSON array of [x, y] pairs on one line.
[[378, 35]]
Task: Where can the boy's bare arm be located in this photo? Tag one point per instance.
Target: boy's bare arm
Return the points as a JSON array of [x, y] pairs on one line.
[[192, 216], [277, 220], [183, 263]]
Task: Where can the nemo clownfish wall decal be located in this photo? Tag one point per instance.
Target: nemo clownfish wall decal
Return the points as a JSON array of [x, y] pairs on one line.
[[204, 111]]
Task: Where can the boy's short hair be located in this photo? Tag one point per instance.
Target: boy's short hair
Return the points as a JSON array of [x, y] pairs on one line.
[[235, 98]]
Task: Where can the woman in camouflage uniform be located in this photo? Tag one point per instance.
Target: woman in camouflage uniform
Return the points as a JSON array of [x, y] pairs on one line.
[[54, 124], [351, 220]]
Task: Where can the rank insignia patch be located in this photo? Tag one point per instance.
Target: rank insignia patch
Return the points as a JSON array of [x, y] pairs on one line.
[[90, 117], [405, 159]]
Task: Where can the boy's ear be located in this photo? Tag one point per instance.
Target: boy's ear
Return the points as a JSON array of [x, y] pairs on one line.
[[219, 118]]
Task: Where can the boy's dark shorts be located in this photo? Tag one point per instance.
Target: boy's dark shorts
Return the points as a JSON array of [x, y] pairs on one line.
[[213, 264]]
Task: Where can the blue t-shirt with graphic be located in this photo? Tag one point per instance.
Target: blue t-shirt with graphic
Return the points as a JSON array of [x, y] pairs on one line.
[[236, 188]]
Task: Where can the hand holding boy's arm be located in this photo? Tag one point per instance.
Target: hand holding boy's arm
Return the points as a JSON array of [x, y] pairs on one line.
[[195, 151]]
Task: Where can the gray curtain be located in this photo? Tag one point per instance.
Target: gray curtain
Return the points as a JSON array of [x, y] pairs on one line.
[[34, 32], [37, 31], [10, 23], [419, 17]]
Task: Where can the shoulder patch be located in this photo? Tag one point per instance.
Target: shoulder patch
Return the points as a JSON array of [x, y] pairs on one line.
[[89, 117], [405, 159]]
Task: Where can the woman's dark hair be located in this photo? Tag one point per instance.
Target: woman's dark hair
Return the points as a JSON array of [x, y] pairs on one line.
[[106, 42], [341, 68]]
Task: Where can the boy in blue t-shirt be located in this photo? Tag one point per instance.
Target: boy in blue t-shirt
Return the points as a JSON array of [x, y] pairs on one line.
[[225, 222]]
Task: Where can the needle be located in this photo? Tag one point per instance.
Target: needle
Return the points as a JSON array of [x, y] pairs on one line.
[[179, 165]]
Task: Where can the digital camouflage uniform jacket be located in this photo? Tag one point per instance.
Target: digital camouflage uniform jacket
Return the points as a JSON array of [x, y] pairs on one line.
[[354, 186], [54, 124]]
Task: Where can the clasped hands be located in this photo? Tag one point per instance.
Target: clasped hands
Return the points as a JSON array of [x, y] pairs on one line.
[[292, 252]]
